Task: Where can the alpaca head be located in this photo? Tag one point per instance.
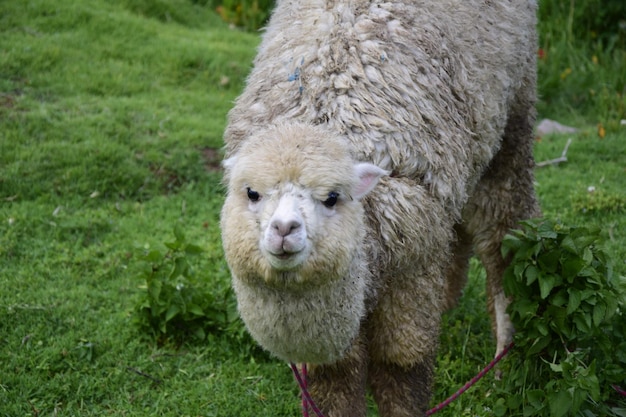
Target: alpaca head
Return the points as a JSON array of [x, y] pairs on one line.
[[292, 216]]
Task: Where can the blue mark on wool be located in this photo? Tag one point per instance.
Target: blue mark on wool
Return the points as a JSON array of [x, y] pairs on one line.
[[383, 58], [295, 75]]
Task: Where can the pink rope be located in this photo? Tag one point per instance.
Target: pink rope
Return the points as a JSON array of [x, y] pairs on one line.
[[619, 390], [305, 403], [306, 397], [473, 381]]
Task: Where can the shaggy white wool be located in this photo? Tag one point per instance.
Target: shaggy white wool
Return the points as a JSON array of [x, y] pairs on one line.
[[313, 326]]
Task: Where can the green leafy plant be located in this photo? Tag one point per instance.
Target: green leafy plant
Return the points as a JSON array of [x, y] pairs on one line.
[[599, 202], [568, 309], [176, 304], [248, 14]]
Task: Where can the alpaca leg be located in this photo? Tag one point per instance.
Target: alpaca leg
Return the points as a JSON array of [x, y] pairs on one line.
[[339, 389], [400, 391], [504, 196], [456, 277], [403, 338]]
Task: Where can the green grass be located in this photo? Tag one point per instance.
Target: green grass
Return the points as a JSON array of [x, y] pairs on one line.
[[111, 118]]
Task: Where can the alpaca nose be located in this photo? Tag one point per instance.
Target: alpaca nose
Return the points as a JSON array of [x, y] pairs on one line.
[[285, 227]]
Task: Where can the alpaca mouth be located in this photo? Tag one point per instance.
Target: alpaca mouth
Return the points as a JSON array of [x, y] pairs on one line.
[[285, 250], [283, 260], [284, 255]]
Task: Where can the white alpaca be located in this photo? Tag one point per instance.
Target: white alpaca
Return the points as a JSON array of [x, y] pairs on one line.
[[375, 147]]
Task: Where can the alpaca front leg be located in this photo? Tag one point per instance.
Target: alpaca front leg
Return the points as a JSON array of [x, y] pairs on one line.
[[403, 338], [339, 389], [402, 391]]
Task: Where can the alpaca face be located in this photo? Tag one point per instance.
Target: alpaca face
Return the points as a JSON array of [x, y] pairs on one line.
[[293, 207], [285, 239]]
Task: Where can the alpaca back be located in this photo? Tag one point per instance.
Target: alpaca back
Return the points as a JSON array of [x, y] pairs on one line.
[[420, 88]]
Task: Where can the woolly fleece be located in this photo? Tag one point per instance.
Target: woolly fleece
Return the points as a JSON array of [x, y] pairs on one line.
[[439, 95]]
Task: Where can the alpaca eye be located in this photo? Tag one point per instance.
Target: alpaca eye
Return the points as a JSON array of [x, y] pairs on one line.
[[331, 200], [253, 195]]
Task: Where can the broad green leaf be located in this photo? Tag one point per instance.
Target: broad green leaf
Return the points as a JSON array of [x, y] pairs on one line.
[[192, 249], [510, 244], [587, 272], [546, 230], [536, 397], [546, 283], [514, 401], [195, 309], [500, 408], [542, 327], [611, 306], [560, 298], [538, 345], [574, 300], [180, 268], [587, 255], [599, 313], [590, 382], [509, 282], [560, 403], [549, 261], [525, 307], [583, 323], [578, 397], [571, 266], [518, 270], [556, 317], [172, 312], [536, 250], [568, 244], [587, 293], [585, 239], [531, 273]]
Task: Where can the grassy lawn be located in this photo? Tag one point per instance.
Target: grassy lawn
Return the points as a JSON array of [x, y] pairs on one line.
[[111, 118]]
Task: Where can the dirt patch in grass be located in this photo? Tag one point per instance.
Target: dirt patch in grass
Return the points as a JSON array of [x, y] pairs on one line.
[[170, 180], [212, 159]]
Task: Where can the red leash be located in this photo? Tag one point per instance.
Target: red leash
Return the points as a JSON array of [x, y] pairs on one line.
[[473, 381], [619, 390], [307, 401]]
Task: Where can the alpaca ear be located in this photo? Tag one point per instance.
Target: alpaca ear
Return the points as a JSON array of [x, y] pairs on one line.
[[368, 175], [229, 163]]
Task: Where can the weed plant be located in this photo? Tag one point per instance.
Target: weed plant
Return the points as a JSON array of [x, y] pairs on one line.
[[111, 118], [568, 309]]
